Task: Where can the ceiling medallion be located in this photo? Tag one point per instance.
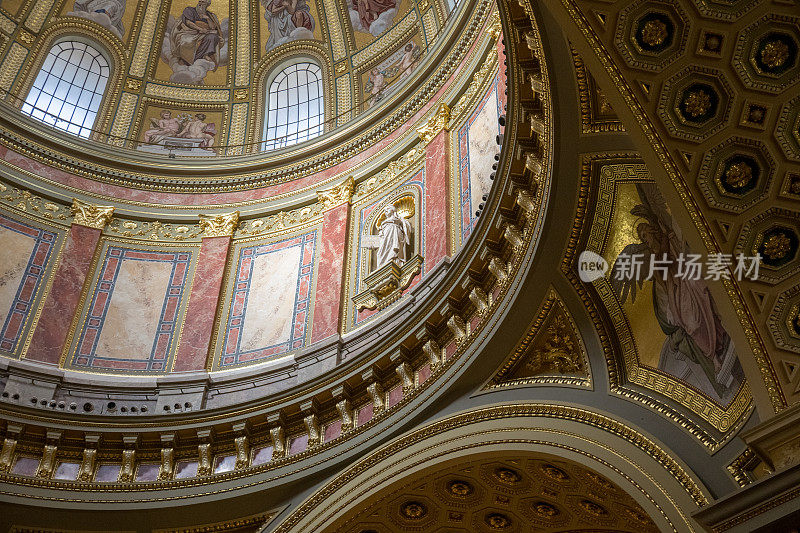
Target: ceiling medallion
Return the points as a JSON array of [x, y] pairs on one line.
[[775, 247], [739, 174], [600, 480], [654, 32], [497, 521], [593, 508], [507, 476], [459, 488], [775, 53], [546, 510], [698, 103], [553, 472], [413, 510]]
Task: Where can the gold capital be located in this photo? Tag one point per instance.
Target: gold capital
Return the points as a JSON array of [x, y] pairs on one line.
[[437, 122], [91, 215], [337, 194], [219, 225]]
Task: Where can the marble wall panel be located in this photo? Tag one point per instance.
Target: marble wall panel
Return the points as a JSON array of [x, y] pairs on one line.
[[135, 309], [25, 260], [270, 304], [477, 146]]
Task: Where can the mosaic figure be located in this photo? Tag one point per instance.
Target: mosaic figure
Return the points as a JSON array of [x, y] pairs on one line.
[[697, 349], [287, 20], [107, 13], [195, 43], [372, 16]]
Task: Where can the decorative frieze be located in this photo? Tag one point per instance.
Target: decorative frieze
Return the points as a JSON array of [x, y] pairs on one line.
[[439, 121], [219, 225], [337, 194]]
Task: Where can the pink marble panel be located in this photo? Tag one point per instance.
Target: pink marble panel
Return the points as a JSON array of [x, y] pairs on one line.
[[147, 472], [333, 430], [364, 414], [450, 350], [333, 242], [474, 322], [62, 301], [298, 444], [261, 455], [107, 473], [424, 373], [25, 466], [67, 471], [395, 395], [203, 302], [185, 469], [437, 218]]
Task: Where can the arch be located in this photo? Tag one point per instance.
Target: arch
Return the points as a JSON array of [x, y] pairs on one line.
[[294, 104], [662, 485], [69, 87], [91, 34]]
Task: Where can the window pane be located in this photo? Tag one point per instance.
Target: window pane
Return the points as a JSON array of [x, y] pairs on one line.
[[68, 89], [295, 111]]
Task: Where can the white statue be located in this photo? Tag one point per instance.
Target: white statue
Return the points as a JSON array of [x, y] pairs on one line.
[[394, 234]]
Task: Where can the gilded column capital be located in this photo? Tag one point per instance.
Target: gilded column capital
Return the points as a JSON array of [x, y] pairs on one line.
[[337, 194], [219, 225], [439, 121], [91, 215]]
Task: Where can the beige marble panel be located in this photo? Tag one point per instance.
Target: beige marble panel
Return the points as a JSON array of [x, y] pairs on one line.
[[17, 250], [135, 310], [270, 302], [482, 147]]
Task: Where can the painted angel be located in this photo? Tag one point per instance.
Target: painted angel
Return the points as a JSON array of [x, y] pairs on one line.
[[697, 349]]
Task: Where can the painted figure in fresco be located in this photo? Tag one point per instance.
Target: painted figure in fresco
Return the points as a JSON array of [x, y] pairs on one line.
[[166, 126], [195, 43], [107, 13], [375, 85], [197, 35], [397, 68], [196, 128], [697, 349], [372, 16], [408, 61], [287, 20], [394, 235]]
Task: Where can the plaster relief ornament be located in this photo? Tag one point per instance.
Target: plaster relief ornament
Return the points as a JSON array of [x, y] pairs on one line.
[[107, 13], [287, 20], [372, 16], [195, 44], [394, 235]]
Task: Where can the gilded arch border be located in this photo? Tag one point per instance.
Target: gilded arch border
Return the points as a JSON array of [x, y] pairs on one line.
[[91, 33], [660, 483]]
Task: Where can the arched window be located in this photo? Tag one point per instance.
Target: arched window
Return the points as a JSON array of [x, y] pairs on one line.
[[68, 90], [295, 106]]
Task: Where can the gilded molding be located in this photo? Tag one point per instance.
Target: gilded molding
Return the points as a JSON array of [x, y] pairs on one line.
[[7, 453], [338, 194], [439, 121], [91, 215], [219, 225]]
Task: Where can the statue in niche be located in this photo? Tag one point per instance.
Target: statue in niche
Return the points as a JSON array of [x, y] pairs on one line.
[[107, 13], [394, 233]]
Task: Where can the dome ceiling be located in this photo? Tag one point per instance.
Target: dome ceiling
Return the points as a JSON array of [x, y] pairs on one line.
[[215, 59]]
